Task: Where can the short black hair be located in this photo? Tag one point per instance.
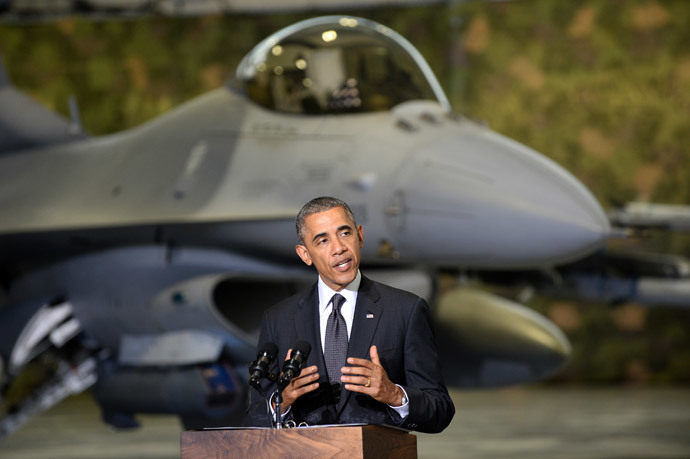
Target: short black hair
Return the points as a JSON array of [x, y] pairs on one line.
[[317, 205]]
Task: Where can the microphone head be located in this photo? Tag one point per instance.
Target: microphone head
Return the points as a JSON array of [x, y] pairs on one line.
[[302, 347], [270, 349], [291, 369]]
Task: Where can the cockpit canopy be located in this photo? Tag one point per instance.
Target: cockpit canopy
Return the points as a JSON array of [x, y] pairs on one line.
[[335, 64]]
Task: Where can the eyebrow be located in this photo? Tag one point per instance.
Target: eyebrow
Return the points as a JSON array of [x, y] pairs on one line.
[[340, 228], [318, 236]]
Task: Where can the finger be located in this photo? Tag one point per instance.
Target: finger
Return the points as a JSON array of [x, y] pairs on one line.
[[360, 362], [360, 380], [360, 385], [374, 353], [305, 390], [307, 376], [292, 393], [289, 354], [357, 371], [307, 371], [303, 380], [357, 388]]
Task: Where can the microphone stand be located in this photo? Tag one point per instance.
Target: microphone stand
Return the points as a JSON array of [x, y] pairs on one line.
[[291, 369], [279, 402]]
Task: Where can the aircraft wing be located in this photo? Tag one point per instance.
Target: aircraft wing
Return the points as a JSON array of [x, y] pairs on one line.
[[33, 125]]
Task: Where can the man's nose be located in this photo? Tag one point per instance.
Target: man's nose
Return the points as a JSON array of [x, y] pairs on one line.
[[338, 247]]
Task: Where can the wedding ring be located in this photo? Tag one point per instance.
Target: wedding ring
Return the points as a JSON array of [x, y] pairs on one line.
[[368, 383]]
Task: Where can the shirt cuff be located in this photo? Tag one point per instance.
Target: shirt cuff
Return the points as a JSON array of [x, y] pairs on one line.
[[404, 409], [273, 411]]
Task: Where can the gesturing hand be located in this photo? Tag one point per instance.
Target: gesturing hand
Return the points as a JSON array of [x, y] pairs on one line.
[[302, 384], [369, 377]]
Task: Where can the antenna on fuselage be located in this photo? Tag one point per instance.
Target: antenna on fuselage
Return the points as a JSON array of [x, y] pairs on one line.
[[75, 126]]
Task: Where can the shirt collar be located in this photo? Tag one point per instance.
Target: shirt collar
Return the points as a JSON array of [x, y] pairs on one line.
[[349, 292]]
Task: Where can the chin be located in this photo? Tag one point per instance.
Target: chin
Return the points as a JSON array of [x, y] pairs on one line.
[[347, 280], [343, 280]]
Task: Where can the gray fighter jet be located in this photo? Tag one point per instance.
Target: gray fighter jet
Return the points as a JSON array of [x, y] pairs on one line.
[[138, 264]]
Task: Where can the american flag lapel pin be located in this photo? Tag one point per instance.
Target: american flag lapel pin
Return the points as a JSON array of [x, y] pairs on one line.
[[370, 316]]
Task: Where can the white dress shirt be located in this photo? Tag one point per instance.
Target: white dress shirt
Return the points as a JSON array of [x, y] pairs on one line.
[[347, 309]]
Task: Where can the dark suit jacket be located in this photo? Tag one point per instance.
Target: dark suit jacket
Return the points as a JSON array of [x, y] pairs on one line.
[[402, 332]]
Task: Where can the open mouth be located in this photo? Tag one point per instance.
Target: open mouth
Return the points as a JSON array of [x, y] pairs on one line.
[[343, 265]]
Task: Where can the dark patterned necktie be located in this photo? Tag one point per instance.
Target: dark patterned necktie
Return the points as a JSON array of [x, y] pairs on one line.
[[335, 352]]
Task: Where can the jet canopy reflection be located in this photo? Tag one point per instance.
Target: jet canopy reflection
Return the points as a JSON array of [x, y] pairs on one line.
[[334, 64]]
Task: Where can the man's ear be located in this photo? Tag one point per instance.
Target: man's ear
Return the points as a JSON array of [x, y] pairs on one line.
[[360, 234], [303, 253]]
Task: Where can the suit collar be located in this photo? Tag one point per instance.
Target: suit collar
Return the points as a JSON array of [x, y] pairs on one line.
[[350, 292], [367, 314]]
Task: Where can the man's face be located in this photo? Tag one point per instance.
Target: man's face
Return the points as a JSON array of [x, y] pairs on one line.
[[333, 245]]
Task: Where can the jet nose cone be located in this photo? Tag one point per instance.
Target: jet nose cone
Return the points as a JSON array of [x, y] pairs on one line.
[[479, 199]]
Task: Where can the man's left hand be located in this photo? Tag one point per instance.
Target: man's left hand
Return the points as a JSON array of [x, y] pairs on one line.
[[369, 377]]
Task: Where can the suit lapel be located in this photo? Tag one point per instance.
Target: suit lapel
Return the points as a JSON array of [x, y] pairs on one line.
[[366, 320]]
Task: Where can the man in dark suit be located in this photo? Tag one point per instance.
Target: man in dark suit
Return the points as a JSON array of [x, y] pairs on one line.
[[373, 357]]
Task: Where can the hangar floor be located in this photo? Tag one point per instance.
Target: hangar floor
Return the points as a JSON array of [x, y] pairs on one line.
[[513, 423]]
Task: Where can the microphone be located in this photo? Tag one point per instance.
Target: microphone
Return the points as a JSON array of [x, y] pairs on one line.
[[292, 366], [259, 367]]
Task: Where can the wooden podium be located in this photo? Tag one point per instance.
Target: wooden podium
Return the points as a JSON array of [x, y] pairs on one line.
[[300, 442]]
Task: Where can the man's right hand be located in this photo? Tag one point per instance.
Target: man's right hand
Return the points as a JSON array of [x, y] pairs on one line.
[[306, 382]]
